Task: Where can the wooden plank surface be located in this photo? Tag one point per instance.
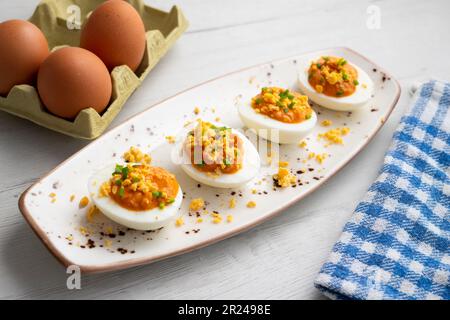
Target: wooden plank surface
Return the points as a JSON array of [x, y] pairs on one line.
[[279, 259]]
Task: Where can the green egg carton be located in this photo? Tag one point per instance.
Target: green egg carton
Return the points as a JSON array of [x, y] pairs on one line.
[[52, 16]]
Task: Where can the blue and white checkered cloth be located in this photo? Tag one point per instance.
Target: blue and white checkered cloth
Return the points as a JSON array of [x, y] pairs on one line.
[[397, 242]]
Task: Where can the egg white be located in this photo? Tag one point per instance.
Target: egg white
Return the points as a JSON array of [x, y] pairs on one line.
[[140, 220], [285, 133], [250, 167], [349, 103]]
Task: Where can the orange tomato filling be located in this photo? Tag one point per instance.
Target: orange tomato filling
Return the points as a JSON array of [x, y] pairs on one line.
[[282, 105], [141, 187], [333, 77], [214, 149]]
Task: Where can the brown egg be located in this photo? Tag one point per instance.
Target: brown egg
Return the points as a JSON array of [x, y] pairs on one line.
[[23, 47], [72, 79], [116, 34]]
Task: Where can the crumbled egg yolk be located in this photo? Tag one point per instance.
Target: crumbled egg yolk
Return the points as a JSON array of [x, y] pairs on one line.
[[196, 204], [136, 155], [196, 110], [335, 135], [199, 220], [179, 222], [232, 203], [72, 197], [321, 157], [84, 202], [282, 105], [302, 144], [251, 204], [52, 195], [217, 218], [93, 210], [109, 230], [84, 231], [229, 218], [170, 139], [214, 150], [151, 186], [284, 177], [326, 123]]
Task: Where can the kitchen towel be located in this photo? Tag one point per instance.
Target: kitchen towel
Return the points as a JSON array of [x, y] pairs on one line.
[[397, 242]]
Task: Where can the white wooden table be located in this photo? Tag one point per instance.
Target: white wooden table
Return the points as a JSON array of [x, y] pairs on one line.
[[276, 260]]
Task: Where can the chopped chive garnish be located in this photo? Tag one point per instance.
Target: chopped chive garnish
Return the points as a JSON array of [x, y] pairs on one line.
[[156, 194], [279, 104], [319, 65], [291, 105], [264, 89], [355, 82], [258, 100], [118, 169], [118, 182], [308, 116], [290, 97], [345, 76], [342, 62], [121, 192], [339, 93], [125, 171], [325, 58], [161, 205], [171, 200], [286, 110], [135, 179]]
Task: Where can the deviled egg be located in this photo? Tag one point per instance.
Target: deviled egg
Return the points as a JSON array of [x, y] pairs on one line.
[[279, 115], [218, 156], [138, 196], [334, 83]]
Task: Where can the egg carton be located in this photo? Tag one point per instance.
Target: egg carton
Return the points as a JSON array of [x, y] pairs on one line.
[[52, 17]]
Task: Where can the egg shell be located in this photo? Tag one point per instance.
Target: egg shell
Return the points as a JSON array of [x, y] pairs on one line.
[[23, 48], [115, 32], [140, 220], [73, 79]]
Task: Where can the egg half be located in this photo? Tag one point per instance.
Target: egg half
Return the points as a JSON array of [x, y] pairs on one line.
[[351, 102], [274, 130], [140, 220], [250, 165]]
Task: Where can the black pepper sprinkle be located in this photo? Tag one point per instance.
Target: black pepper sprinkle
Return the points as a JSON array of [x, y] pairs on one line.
[[122, 250], [374, 70], [233, 193], [121, 233], [373, 110]]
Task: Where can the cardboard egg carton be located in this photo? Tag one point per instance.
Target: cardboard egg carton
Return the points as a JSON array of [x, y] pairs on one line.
[[57, 20]]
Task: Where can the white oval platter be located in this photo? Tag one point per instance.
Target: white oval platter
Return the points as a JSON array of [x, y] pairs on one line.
[[101, 245]]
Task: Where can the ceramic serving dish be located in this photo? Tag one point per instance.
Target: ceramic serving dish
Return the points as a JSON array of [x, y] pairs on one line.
[[98, 244], [51, 16]]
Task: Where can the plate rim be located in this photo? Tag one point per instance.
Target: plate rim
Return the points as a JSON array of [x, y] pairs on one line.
[[129, 263]]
